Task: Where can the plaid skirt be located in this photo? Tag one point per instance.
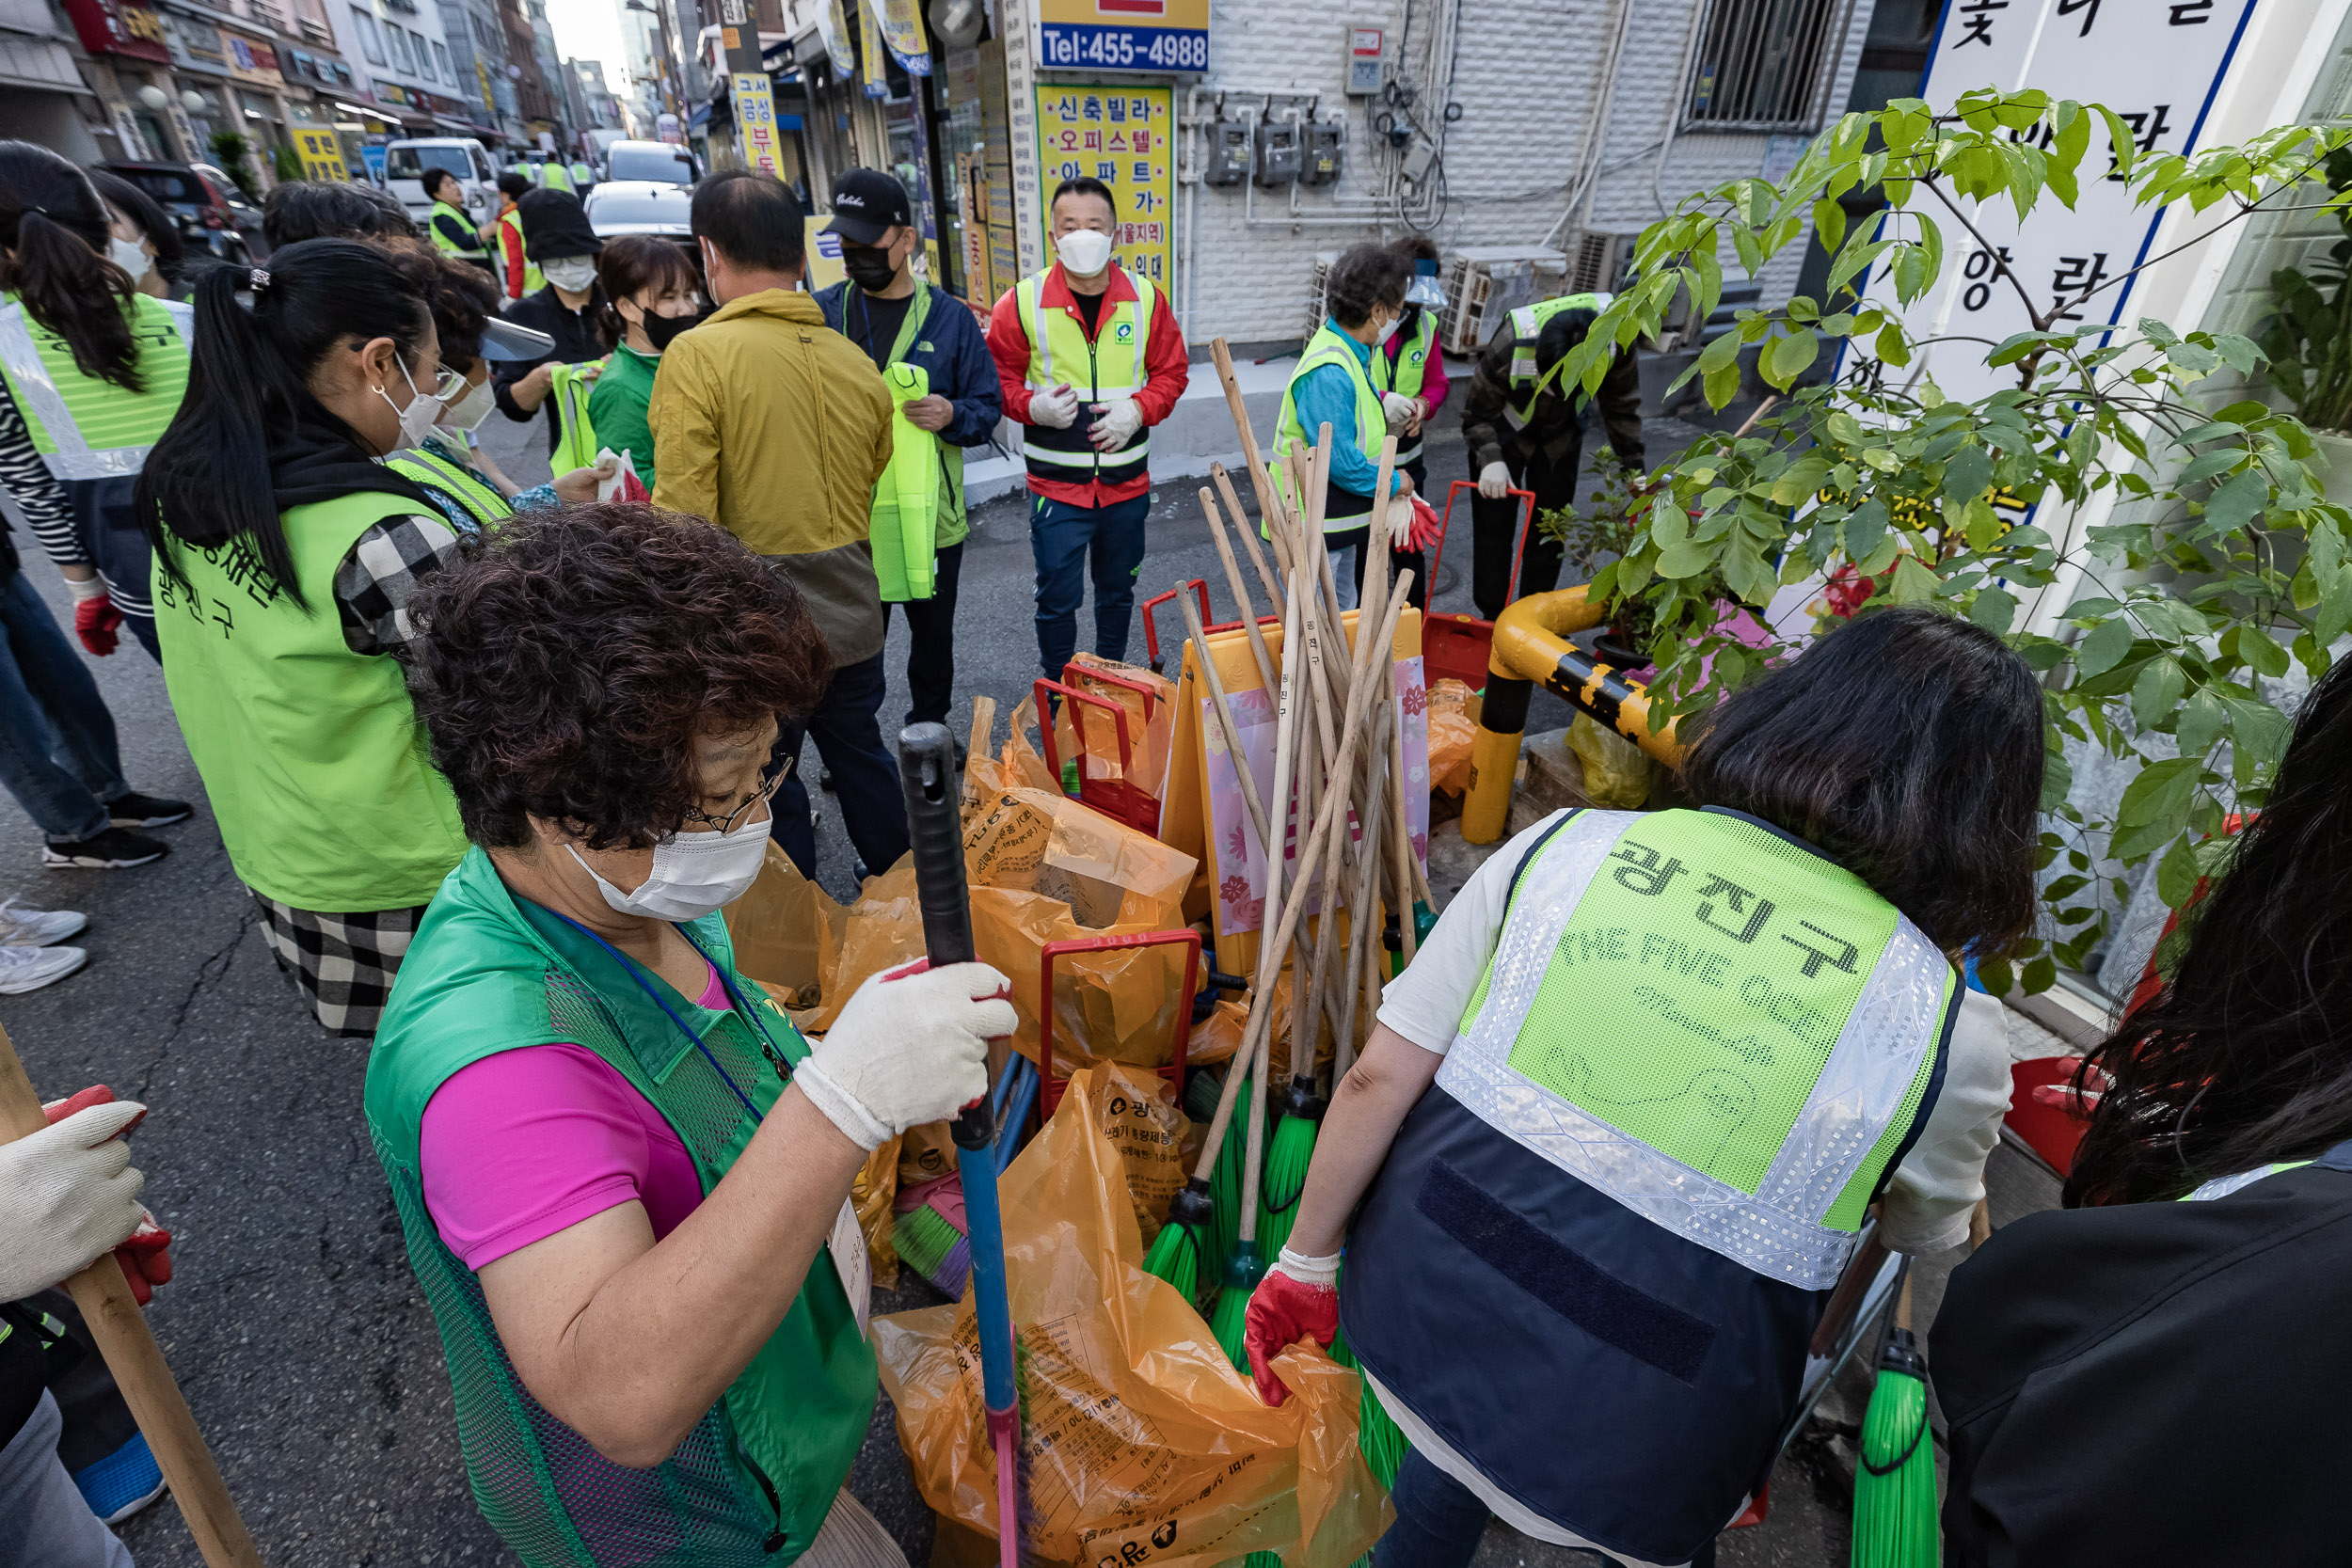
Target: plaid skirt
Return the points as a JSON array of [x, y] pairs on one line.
[[343, 962]]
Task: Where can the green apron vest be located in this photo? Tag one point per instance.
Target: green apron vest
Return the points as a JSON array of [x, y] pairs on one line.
[[1406, 375], [906, 499], [1787, 1020], [83, 427], [319, 774], [576, 433], [475, 251], [1527, 325], [752, 1483], [454, 481], [1109, 365], [554, 177], [1342, 510]]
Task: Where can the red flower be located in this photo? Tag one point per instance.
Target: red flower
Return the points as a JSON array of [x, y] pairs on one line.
[[1415, 700]]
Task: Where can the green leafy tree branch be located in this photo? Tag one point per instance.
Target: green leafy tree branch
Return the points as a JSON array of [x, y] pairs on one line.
[[2220, 566]]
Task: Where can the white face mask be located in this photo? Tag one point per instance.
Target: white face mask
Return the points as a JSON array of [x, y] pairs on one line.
[[469, 412], [1084, 252], [574, 274], [130, 256], [692, 873], [422, 413], [1388, 333]]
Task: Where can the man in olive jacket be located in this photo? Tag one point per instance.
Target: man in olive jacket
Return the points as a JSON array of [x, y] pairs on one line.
[[774, 426]]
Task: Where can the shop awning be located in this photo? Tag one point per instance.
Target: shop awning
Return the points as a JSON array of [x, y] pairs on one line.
[[455, 127], [353, 106], [42, 64]]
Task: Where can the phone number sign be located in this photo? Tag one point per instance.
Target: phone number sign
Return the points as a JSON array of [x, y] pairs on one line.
[[1123, 35]]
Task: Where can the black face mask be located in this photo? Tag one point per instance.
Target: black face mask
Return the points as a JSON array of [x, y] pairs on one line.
[[661, 329], [869, 266]]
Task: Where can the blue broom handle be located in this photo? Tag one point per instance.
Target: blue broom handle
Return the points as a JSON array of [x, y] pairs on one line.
[[927, 775]]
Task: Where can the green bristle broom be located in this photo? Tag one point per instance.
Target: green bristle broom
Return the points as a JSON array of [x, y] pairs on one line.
[[1291, 1152], [1180, 1251], [1894, 1485], [1187, 1252], [1247, 1265]]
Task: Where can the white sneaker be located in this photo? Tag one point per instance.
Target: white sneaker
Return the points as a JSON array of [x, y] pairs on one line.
[[23, 969], [30, 927]]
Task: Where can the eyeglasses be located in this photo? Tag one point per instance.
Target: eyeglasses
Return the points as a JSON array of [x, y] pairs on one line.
[[771, 781], [450, 386]]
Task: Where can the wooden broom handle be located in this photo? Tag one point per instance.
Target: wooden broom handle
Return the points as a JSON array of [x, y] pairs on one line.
[[137, 1363]]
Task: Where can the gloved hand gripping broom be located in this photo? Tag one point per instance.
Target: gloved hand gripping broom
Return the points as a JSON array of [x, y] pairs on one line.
[[926, 773]]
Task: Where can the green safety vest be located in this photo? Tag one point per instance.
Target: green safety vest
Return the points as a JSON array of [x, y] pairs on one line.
[[85, 428], [459, 483], [1405, 377], [511, 222], [1527, 325], [1110, 365], [319, 774], [906, 497], [1769, 1028], [1342, 509], [554, 177], [576, 433], [473, 251], [489, 972]]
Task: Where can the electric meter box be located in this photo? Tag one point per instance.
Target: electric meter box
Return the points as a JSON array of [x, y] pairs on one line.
[[1320, 165], [1278, 154], [1228, 153], [1365, 61]]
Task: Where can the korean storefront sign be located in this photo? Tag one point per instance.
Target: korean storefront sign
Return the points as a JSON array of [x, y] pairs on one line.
[[1119, 136], [322, 155], [2159, 67], [1123, 35]]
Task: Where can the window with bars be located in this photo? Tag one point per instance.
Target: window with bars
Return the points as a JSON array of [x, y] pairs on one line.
[[1761, 65]]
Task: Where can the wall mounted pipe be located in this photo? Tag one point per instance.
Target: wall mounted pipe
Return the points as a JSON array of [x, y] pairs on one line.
[[1531, 648]]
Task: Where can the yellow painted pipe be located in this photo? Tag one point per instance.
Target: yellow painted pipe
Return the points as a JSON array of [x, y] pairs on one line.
[[1531, 646]]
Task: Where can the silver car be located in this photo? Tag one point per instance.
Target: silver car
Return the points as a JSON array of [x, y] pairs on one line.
[[639, 207]]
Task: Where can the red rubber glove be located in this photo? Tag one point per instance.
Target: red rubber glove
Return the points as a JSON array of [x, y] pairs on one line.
[[1425, 525], [145, 1256], [1299, 1299], [95, 622]]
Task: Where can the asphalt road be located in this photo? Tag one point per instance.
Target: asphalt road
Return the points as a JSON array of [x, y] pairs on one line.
[[293, 1322]]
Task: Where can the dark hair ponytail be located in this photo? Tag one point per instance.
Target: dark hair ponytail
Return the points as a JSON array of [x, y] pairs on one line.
[[51, 222], [207, 482], [2245, 1057]]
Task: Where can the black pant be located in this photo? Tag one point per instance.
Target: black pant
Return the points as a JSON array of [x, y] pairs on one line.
[[931, 641], [1495, 530], [865, 777]]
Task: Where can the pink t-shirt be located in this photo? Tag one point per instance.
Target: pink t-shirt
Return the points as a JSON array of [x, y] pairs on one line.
[[518, 1145]]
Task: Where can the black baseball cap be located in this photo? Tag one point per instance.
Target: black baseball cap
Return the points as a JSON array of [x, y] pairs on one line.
[[867, 203]]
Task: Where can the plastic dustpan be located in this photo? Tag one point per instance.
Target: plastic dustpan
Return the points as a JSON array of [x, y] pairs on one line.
[[1120, 799], [2045, 1118], [1050, 1086], [1199, 591], [1460, 646]]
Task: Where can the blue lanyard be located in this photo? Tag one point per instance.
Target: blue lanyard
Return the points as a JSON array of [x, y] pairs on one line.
[[735, 1000]]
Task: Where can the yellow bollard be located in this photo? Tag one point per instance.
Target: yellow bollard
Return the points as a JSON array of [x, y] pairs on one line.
[[1530, 645]]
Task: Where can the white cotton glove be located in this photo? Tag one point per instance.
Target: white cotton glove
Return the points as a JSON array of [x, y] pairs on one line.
[[68, 1196], [907, 1050], [1115, 423], [1494, 481], [1056, 409], [1404, 413]]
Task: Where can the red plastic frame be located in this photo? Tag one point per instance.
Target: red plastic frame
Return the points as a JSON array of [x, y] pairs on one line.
[[1050, 1087], [1459, 645], [1152, 632], [1118, 799]]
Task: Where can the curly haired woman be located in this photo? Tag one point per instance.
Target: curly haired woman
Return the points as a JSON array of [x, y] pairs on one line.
[[622, 1173]]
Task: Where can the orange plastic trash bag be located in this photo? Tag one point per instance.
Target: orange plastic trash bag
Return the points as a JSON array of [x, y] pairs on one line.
[[1148, 738], [1140, 1443], [1137, 1111], [1451, 731], [780, 925], [1116, 1006]]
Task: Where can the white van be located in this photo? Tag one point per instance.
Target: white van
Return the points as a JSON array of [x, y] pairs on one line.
[[406, 161]]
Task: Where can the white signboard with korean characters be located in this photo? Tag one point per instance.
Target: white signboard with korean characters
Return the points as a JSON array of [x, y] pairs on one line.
[[2158, 64]]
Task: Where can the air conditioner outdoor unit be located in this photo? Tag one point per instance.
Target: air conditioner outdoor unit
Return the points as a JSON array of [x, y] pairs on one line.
[[1600, 260], [1319, 291], [1485, 283]]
